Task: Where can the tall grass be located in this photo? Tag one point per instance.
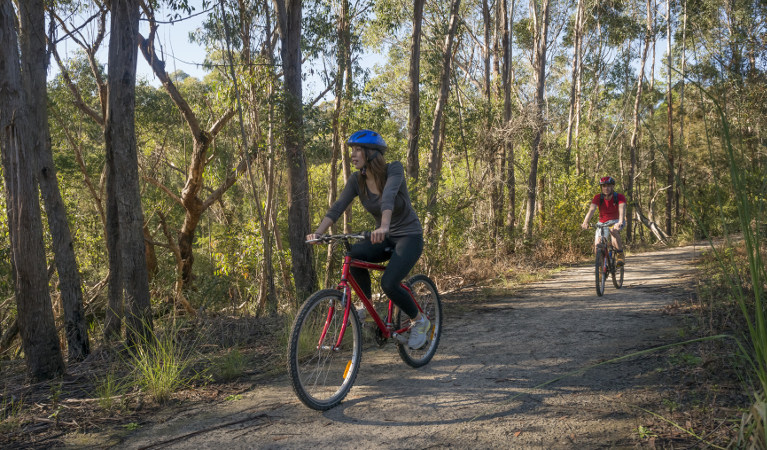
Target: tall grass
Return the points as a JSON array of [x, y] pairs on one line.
[[748, 190], [162, 363]]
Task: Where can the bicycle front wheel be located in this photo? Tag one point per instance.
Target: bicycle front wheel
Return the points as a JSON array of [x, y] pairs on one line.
[[618, 277], [600, 271], [425, 294], [321, 372]]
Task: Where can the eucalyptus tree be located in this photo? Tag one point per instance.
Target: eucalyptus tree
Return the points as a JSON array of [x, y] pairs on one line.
[[191, 197], [247, 14], [33, 43], [18, 138], [507, 18], [94, 107], [630, 194], [289, 14], [575, 87], [414, 102], [437, 132], [343, 50], [670, 130], [539, 15], [124, 212], [725, 37]]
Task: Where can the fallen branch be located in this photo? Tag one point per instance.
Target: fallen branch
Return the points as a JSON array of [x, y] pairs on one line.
[[57, 422], [10, 334], [652, 226], [458, 289]]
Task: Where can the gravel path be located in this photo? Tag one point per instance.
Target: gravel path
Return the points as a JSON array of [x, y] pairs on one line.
[[509, 373]]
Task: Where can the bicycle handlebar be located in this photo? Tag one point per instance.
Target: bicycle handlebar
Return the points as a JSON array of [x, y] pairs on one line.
[[328, 238]]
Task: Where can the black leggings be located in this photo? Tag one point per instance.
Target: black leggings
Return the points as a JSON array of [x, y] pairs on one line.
[[402, 252]]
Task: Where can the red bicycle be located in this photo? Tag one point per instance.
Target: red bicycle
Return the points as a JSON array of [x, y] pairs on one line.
[[325, 347]]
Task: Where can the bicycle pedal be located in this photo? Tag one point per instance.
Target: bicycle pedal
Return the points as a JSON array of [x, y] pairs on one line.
[[402, 339]]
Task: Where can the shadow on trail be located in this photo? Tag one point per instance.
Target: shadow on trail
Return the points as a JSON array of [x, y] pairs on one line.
[[551, 362], [498, 360]]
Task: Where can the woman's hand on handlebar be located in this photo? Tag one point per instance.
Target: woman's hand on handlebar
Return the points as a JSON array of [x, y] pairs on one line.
[[379, 234], [321, 228], [585, 225]]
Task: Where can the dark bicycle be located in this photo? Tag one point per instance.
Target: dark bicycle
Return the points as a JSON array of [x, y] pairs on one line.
[[605, 262], [325, 347]]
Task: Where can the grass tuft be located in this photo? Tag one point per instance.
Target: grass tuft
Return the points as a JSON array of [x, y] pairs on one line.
[[753, 427], [10, 413], [161, 364], [110, 389], [230, 366]]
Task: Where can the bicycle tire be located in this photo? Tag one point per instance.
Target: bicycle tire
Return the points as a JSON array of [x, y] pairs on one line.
[[425, 292], [618, 277], [599, 272], [322, 376]]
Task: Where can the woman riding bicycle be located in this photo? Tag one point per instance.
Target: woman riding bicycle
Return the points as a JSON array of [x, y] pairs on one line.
[[398, 236], [612, 206]]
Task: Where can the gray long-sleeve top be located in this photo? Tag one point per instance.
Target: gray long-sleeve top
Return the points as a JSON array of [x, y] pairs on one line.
[[395, 197]]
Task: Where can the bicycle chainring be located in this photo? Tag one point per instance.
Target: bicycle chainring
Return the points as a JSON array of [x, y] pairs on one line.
[[380, 339]]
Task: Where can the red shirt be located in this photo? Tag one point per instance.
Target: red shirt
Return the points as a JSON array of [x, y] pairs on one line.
[[608, 210]]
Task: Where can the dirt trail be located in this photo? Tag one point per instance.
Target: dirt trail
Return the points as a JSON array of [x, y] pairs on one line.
[[488, 384]]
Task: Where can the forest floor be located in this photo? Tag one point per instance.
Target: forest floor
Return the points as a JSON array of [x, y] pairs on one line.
[[545, 365]]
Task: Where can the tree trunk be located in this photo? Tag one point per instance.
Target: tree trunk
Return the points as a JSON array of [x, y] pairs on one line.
[[635, 132], [289, 15], [115, 307], [17, 140], [578, 101], [414, 117], [122, 162], [680, 180], [342, 28], [669, 101], [435, 161], [496, 195], [507, 17], [348, 99], [541, 36], [573, 87], [32, 38], [267, 295]]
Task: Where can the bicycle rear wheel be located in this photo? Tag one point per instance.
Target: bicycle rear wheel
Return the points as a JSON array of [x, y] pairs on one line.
[[425, 294], [600, 271], [321, 373]]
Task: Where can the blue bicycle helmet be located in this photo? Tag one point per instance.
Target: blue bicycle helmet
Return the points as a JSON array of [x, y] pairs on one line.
[[368, 139]]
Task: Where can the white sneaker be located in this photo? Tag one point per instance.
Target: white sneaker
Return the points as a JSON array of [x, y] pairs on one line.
[[418, 331]]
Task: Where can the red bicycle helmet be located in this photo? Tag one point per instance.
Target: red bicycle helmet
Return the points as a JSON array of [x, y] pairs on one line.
[[606, 180]]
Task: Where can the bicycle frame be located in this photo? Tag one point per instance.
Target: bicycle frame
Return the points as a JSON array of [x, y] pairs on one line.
[[606, 244], [348, 284]]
